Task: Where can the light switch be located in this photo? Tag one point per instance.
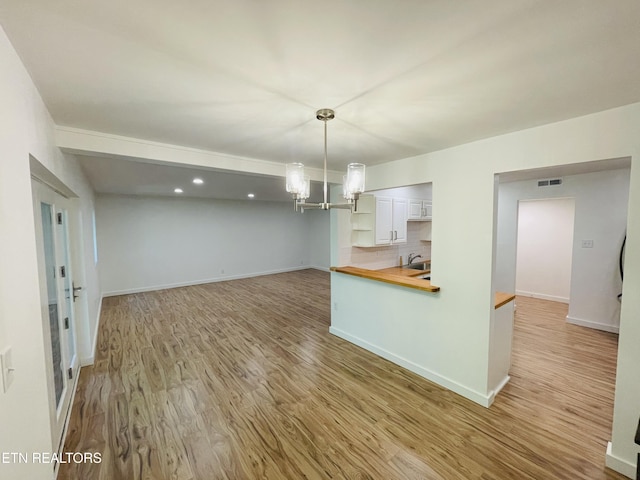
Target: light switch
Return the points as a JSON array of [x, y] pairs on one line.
[[587, 243], [6, 365]]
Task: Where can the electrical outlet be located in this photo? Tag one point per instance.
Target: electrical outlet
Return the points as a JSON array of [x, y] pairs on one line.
[[587, 243], [335, 306], [8, 372]]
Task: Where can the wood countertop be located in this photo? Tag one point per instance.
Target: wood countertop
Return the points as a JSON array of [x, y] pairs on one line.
[[404, 272], [405, 277], [502, 298], [392, 278]]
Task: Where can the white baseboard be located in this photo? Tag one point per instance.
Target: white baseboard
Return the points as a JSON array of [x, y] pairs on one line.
[[85, 362], [590, 324], [190, 283], [496, 391], [484, 400], [618, 464], [324, 269], [543, 296]]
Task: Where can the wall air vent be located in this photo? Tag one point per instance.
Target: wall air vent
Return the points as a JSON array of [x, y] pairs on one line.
[[550, 182]]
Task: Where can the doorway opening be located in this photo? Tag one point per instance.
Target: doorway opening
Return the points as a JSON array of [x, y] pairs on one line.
[[544, 248], [558, 248]]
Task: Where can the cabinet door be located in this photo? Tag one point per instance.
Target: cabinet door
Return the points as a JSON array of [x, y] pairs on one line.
[[428, 210], [384, 225], [400, 208], [415, 210]]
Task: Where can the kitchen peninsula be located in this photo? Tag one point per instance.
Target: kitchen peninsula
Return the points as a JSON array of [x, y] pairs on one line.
[[406, 327], [408, 277], [403, 276]]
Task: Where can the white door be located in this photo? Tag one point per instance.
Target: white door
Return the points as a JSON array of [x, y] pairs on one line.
[[51, 212]]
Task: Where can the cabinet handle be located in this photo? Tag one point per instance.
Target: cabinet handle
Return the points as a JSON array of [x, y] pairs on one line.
[[395, 235], [391, 235]]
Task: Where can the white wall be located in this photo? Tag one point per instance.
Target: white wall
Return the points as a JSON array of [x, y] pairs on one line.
[[375, 258], [449, 339], [318, 238], [27, 129], [147, 243], [545, 247], [601, 203]]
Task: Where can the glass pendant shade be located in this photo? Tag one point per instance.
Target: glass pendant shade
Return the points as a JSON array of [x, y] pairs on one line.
[[295, 178], [345, 189], [355, 179], [306, 188]]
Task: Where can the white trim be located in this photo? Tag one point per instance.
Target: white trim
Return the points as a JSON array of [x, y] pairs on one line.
[[496, 391], [543, 296], [203, 281], [618, 464], [85, 362], [65, 428], [590, 324], [324, 269], [87, 142], [484, 400]]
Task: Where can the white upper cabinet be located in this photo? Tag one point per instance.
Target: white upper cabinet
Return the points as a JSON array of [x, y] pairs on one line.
[[415, 209], [419, 210], [391, 220], [379, 221], [384, 220], [399, 220]]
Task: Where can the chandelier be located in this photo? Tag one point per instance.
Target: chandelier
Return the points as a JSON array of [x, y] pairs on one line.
[[299, 184]]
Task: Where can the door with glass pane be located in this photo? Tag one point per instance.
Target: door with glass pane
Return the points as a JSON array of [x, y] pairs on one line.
[[57, 299]]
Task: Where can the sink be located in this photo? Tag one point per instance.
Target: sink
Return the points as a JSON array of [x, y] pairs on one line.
[[419, 266]]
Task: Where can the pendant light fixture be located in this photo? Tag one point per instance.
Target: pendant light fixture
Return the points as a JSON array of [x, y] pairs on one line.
[[298, 184]]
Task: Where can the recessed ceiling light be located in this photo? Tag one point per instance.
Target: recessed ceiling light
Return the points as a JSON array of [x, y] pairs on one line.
[[198, 181], [177, 190], [250, 195]]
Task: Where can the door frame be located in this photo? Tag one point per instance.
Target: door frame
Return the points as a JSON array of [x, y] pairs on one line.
[[58, 413]]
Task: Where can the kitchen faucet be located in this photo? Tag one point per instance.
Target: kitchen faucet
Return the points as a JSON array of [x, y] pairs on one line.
[[412, 257]]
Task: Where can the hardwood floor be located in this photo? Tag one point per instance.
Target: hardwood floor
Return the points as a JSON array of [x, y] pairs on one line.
[[241, 380]]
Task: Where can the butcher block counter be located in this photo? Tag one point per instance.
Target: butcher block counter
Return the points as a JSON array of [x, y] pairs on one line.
[[404, 272], [406, 277]]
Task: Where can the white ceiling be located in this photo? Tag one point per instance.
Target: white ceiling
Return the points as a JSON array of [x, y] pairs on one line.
[[245, 77]]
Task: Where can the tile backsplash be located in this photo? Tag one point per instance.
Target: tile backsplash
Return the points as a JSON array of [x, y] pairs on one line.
[[375, 258]]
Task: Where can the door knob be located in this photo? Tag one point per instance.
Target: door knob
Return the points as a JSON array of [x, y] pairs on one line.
[[75, 289]]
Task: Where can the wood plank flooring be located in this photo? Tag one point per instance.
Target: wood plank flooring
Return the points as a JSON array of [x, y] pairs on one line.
[[241, 380]]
